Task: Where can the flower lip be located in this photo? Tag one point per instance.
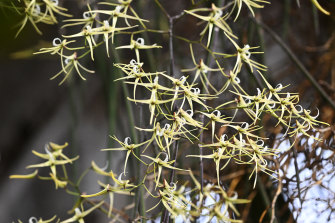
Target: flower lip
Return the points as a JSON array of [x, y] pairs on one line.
[[87, 15], [273, 105], [195, 90], [46, 148], [245, 125], [247, 101], [279, 87], [135, 70], [127, 141], [218, 14], [56, 2], [33, 220], [260, 142], [77, 211], [223, 138], [89, 28], [246, 50], [37, 10], [106, 23], [182, 79], [133, 62], [189, 112], [300, 108], [140, 41], [217, 113], [56, 42], [317, 114], [106, 166], [167, 126], [309, 113], [120, 176], [118, 8], [235, 195], [166, 157], [67, 60]]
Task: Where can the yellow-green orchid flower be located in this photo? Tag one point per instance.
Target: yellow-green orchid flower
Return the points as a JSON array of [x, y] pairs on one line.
[[52, 6], [110, 190], [153, 103], [127, 147], [203, 69], [106, 29], [153, 86], [70, 63], [122, 183], [52, 162], [101, 171], [117, 13], [88, 19], [134, 70], [177, 83], [88, 33], [215, 18], [243, 55], [217, 156], [249, 3], [214, 117], [159, 164], [79, 214], [32, 13], [167, 132], [193, 94], [137, 45]]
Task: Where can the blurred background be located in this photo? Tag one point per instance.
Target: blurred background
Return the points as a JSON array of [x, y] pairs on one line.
[[35, 110]]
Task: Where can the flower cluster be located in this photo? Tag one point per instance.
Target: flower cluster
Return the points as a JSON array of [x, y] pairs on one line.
[[181, 111]]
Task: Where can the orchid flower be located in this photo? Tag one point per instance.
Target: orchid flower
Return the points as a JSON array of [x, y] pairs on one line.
[[52, 160], [52, 6], [249, 3], [134, 70], [193, 94], [80, 214], [203, 69], [215, 18], [243, 55], [110, 190], [70, 63], [177, 83], [154, 103], [137, 45], [217, 156], [159, 163], [214, 117], [53, 157], [89, 17], [127, 147], [167, 132]]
